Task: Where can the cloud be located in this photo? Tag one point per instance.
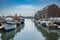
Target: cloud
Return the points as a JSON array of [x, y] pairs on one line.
[[24, 10]]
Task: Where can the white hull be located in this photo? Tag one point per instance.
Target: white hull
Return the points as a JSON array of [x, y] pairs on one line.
[[9, 26]]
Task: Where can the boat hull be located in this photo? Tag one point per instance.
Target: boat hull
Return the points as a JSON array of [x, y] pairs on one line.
[[9, 27], [22, 21], [7, 30], [52, 27], [43, 23]]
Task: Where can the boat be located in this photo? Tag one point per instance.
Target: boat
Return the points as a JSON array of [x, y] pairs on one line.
[[38, 21], [51, 25], [9, 25], [22, 20], [43, 22], [9, 20], [55, 20]]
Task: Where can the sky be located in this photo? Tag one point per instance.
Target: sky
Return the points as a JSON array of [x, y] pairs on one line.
[[24, 7]]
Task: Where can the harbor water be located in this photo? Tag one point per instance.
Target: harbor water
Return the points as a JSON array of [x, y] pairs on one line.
[[30, 31]]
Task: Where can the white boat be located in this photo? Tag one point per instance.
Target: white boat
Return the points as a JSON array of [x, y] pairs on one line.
[[9, 25], [43, 23], [10, 20], [51, 25], [38, 21], [55, 20]]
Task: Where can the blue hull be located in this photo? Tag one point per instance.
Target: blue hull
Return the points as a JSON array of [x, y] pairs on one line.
[[7, 30], [44, 25], [22, 22]]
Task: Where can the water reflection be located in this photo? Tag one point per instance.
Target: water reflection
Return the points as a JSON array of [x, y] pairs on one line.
[[10, 35], [19, 28], [48, 36]]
